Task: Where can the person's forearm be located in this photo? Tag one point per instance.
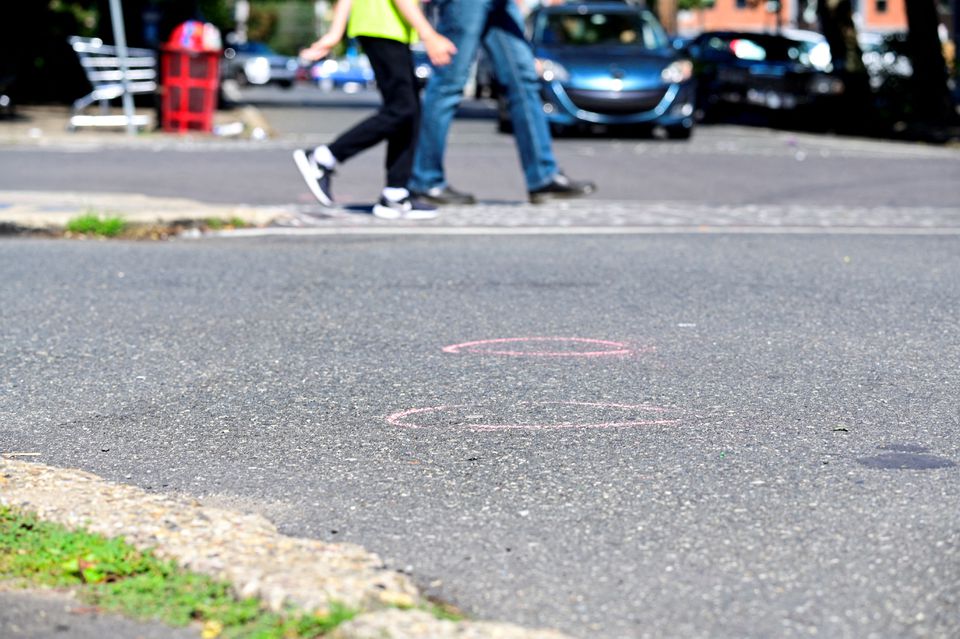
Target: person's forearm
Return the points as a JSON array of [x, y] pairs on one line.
[[340, 16], [411, 12]]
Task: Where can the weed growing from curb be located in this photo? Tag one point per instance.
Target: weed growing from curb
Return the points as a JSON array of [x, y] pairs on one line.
[[115, 576], [91, 223], [219, 224]]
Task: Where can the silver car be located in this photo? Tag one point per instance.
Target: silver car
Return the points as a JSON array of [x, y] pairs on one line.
[[256, 63]]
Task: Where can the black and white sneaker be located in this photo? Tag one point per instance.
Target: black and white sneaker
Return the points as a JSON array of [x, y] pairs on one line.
[[405, 209], [315, 175]]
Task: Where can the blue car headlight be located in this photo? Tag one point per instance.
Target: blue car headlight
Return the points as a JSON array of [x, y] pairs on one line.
[[677, 71], [550, 70]]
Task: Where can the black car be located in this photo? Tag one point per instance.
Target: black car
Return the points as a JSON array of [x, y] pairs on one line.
[[7, 79], [739, 71]]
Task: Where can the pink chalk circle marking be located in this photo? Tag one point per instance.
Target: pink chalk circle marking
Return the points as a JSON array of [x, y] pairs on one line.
[[654, 416], [513, 347]]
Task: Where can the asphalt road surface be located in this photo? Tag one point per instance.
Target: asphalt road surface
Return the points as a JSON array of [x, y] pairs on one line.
[[751, 435], [727, 477], [44, 614], [721, 166]]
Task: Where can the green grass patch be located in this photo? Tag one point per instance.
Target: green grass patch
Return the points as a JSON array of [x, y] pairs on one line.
[[117, 577], [443, 611], [218, 224], [94, 224]]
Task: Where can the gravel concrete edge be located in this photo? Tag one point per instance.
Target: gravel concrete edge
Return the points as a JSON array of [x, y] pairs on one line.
[[245, 550], [53, 210]]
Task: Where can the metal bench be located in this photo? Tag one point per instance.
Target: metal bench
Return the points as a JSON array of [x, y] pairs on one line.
[[105, 71]]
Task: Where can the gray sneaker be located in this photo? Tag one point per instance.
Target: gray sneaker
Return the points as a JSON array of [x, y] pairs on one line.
[[560, 188], [440, 195]]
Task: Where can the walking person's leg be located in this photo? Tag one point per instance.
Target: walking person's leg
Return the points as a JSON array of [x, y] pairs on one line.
[[402, 141], [390, 61], [398, 85], [463, 22], [515, 67]]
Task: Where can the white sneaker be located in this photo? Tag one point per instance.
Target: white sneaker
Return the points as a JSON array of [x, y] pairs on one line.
[[405, 209], [316, 176]]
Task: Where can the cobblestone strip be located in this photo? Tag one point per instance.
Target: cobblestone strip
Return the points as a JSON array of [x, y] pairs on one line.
[[626, 214], [244, 550], [27, 209]]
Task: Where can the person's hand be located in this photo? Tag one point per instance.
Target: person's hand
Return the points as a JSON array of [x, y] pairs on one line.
[[320, 49], [439, 49]]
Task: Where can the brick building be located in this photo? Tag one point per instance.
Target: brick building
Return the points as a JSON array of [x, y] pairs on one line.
[[870, 15]]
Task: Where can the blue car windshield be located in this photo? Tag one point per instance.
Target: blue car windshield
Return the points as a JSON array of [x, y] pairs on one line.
[[634, 28], [255, 48]]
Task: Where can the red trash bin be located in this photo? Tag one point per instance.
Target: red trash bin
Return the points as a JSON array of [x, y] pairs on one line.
[[190, 75]]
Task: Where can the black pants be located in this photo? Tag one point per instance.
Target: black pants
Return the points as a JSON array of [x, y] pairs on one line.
[[398, 119]]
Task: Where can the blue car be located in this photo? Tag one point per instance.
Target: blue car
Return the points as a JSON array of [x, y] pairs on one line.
[[609, 63]]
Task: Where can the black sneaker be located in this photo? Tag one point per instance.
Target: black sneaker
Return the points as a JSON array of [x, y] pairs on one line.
[[441, 195], [562, 187], [406, 209], [316, 176]]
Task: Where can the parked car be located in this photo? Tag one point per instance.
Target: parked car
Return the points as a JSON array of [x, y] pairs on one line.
[[422, 68], [485, 83], [256, 63], [7, 106], [762, 71], [350, 74], [608, 63], [886, 57]]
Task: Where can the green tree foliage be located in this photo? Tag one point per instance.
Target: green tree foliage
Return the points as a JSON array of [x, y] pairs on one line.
[[34, 49], [694, 5]]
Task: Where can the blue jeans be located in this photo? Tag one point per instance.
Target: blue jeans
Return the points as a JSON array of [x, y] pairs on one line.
[[496, 25]]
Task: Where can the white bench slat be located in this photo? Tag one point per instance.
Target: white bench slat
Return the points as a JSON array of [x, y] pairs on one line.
[[101, 64]]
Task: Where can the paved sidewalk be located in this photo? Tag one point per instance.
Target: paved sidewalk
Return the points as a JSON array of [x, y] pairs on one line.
[[52, 210], [47, 125]]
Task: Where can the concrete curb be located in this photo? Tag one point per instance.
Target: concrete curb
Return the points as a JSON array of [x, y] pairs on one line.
[[244, 550], [31, 210]]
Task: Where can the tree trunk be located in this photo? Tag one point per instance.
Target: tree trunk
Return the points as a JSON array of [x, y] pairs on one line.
[[930, 93], [836, 23], [667, 12], [837, 26]]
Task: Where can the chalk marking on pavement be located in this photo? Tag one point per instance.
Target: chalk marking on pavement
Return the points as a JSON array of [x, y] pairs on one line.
[[400, 418], [476, 347]]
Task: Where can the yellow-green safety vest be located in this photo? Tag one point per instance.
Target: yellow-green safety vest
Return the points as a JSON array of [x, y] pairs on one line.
[[379, 19]]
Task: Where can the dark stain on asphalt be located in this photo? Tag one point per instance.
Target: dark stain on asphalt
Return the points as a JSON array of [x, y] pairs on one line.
[[474, 285], [905, 457], [906, 448]]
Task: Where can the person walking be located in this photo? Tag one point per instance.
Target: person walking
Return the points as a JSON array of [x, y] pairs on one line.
[[385, 30], [496, 25]]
